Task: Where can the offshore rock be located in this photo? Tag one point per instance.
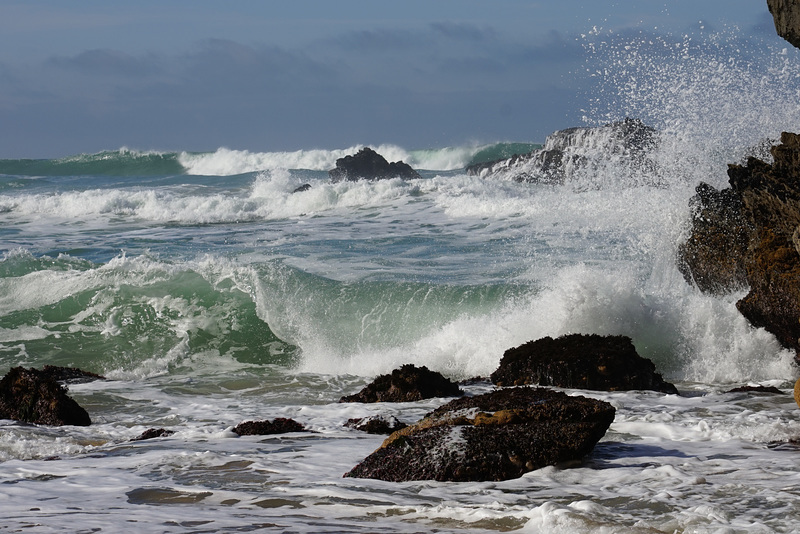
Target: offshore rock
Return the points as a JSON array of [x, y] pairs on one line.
[[409, 383], [369, 165], [786, 15], [495, 436], [767, 197], [280, 425], [583, 151], [376, 424], [30, 396], [603, 363]]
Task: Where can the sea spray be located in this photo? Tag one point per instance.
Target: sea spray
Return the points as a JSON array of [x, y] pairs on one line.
[[715, 96], [227, 162]]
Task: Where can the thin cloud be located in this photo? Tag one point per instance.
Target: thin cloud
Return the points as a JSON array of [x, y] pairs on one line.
[[465, 32], [106, 62]]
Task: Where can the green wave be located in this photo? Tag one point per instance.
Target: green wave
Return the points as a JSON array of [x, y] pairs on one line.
[[110, 163], [500, 151], [128, 317]]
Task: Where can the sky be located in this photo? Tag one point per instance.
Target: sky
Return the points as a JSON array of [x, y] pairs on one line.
[[263, 75]]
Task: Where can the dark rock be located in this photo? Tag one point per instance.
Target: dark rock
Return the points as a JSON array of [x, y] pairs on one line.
[[758, 390], [72, 375], [376, 424], [30, 396], [786, 15], [304, 187], [767, 197], [280, 425], [151, 433], [496, 436], [604, 363], [407, 384], [579, 151], [713, 257], [369, 165]]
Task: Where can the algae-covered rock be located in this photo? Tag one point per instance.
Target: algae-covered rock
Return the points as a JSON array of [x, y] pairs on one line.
[[604, 363], [409, 383], [32, 396], [496, 436]]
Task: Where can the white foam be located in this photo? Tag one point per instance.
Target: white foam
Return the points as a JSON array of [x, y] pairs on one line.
[[227, 162]]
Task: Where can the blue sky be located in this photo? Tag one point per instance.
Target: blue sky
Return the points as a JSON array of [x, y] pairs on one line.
[[81, 77]]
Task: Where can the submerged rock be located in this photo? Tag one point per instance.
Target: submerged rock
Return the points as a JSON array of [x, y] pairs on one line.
[[582, 151], [152, 433], [31, 396], [604, 363], [495, 436], [72, 375], [409, 383], [764, 211], [302, 188], [756, 390], [369, 165], [280, 425], [376, 424]]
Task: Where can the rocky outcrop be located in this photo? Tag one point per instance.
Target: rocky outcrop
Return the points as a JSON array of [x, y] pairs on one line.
[[495, 436], [786, 14], [31, 396], [567, 154], [369, 165], [409, 383], [603, 363], [758, 232], [280, 425]]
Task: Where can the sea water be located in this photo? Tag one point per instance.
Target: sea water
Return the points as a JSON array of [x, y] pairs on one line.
[[209, 293]]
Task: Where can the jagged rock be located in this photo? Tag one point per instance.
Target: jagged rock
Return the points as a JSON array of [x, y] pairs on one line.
[[796, 392], [376, 424], [280, 425], [566, 154], [767, 197], [31, 396], [151, 433], [302, 188], [407, 384], [369, 165], [604, 363], [786, 15], [495, 436]]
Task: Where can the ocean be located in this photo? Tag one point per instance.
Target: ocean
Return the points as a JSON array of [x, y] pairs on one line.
[[209, 293]]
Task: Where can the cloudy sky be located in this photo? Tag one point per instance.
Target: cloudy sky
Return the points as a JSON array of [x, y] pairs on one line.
[[262, 75]]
